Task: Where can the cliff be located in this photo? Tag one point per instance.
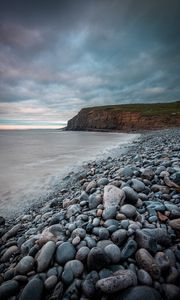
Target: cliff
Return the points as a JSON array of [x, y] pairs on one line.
[[127, 117]]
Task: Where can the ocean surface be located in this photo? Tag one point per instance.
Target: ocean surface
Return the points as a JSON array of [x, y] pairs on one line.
[[33, 162]]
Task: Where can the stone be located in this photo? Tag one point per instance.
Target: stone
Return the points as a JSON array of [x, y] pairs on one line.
[[94, 200], [102, 244], [147, 262], [120, 280], [119, 236], [10, 252], [102, 181], [8, 289], [57, 292], [131, 197], [33, 290], [82, 253], [2, 221], [51, 233], [144, 278], [126, 172], [12, 232], [45, 256], [171, 291], [92, 184], [67, 276], [160, 235], [113, 252], [113, 196], [75, 266], [103, 234], [79, 232], [65, 252], [145, 241], [128, 210], [50, 282], [97, 259], [147, 173], [162, 261], [109, 212], [72, 210], [25, 265], [129, 249], [175, 224], [138, 293], [138, 185], [89, 284]]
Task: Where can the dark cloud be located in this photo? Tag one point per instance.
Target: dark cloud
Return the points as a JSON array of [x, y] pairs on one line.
[[58, 56]]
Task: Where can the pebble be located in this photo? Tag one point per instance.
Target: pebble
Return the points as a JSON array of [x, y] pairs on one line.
[[109, 212], [75, 266], [50, 282], [65, 252], [147, 262], [25, 265], [89, 284], [8, 289], [128, 210], [33, 290], [119, 236], [131, 197], [82, 253], [129, 249], [97, 259], [113, 252], [139, 293], [137, 185], [94, 200], [144, 278], [45, 256], [113, 196], [175, 224], [11, 251], [119, 281]]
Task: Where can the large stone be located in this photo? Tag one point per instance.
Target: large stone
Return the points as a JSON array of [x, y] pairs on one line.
[[126, 172], [8, 289], [25, 265], [131, 196], [65, 252], [138, 293], [12, 232], [145, 241], [171, 291], [45, 256], [52, 233], [33, 290], [147, 173], [113, 196], [103, 181], [119, 281]]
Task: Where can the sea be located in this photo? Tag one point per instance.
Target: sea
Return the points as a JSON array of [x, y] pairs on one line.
[[34, 162]]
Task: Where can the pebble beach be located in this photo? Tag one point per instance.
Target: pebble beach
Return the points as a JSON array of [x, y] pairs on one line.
[[111, 232]]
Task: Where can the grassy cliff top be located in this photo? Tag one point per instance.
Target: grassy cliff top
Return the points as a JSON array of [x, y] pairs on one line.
[[144, 109]]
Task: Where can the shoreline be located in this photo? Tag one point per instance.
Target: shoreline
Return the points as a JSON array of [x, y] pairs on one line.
[[81, 219]]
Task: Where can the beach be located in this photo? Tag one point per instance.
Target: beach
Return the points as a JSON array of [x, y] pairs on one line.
[[109, 231]]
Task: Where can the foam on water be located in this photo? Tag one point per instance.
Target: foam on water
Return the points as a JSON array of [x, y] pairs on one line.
[[34, 162]]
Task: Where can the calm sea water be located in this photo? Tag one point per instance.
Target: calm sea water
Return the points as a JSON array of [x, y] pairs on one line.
[[33, 161]]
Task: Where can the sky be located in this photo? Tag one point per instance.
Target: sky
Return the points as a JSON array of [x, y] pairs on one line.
[[57, 57]]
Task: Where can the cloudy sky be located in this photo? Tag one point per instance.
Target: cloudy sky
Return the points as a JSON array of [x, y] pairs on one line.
[[59, 56]]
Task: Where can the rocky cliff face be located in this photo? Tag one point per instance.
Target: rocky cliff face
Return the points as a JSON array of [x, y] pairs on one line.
[[109, 120]]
